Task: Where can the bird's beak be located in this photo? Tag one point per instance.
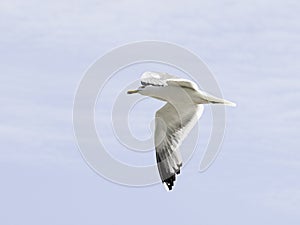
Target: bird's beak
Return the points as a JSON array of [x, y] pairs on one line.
[[132, 91]]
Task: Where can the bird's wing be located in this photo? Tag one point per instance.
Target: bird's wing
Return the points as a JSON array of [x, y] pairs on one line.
[[164, 79], [182, 83], [156, 78], [172, 125]]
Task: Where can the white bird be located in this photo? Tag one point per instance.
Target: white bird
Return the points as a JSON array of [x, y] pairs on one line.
[[175, 119]]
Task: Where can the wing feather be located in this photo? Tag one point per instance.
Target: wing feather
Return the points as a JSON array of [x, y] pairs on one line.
[[182, 83], [155, 78], [172, 125], [165, 79]]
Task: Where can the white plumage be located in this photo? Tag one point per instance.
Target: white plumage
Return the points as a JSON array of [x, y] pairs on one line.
[[175, 119]]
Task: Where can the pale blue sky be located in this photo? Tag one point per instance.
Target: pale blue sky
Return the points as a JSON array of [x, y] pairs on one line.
[[251, 46]]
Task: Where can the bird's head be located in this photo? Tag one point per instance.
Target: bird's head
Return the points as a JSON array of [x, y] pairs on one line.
[[148, 90], [140, 90]]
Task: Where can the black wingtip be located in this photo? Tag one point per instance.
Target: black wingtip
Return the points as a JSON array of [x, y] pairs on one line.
[[170, 187], [170, 182]]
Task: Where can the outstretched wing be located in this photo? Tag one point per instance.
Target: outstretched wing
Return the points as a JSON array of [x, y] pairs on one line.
[[182, 83], [172, 125], [156, 78], [165, 79]]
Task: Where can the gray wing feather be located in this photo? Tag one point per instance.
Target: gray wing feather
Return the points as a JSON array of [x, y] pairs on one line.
[[165, 79], [171, 127], [156, 78]]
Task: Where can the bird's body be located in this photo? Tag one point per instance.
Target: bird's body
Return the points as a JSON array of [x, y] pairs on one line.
[[175, 119]]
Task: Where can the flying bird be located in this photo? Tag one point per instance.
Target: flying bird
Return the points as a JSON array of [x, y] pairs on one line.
[[173, 122]]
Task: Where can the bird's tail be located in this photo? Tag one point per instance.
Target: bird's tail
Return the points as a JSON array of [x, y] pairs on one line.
[[168, 166], [208, 98]]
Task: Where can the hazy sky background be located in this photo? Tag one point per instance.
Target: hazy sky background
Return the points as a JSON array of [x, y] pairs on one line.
[[251, 46]]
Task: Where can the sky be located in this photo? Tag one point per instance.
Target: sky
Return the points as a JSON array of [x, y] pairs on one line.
[[252, 48]]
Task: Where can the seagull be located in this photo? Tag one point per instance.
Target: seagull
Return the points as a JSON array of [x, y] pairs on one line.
[[173, 122]]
